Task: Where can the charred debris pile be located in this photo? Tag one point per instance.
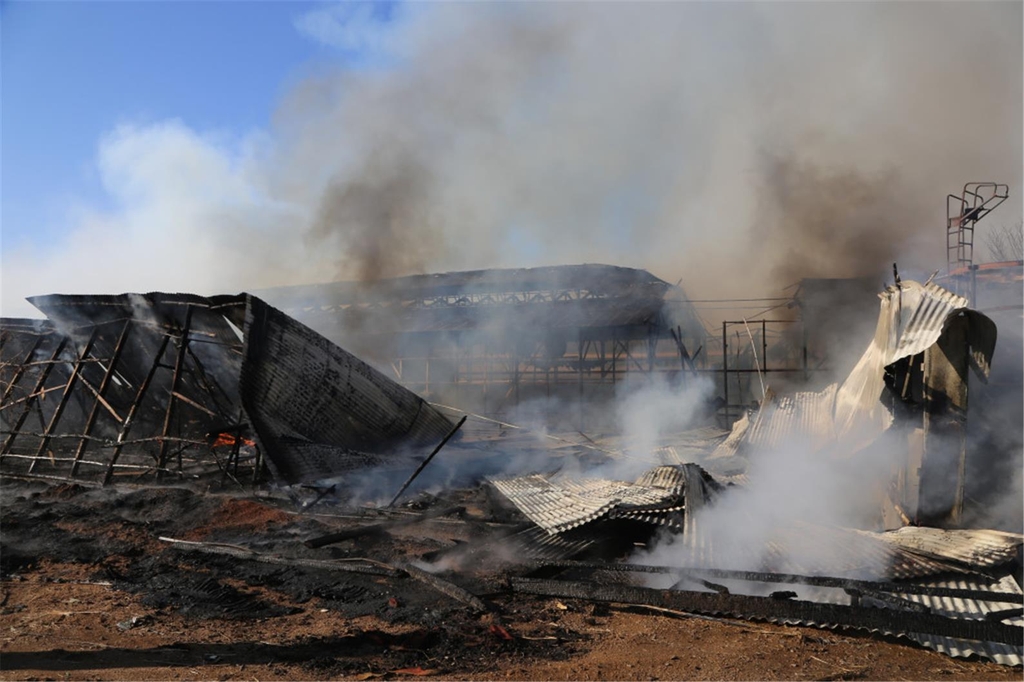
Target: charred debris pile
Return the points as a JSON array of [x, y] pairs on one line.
[[137, 393]]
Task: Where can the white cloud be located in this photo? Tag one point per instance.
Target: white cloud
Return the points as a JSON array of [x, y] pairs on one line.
[[189, 213], [358, 27]]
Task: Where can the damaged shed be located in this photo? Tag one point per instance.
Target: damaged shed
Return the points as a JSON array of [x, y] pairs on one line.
[[149, 386]]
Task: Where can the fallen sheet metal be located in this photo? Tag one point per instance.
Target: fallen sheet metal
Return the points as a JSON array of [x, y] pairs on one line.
[[1005, 653], [313, 404], [558, 505], [977, 548]]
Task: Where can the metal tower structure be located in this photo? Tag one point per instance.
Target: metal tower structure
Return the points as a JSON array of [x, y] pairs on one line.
[[963, 212]]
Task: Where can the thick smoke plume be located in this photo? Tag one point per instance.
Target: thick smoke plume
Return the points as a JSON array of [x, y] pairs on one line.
[[736, 146]]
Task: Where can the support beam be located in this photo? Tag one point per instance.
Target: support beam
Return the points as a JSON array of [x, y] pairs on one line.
[[179, 363], [133, 411], [21, 369], [68, 390], [44, 374], [94, 412]]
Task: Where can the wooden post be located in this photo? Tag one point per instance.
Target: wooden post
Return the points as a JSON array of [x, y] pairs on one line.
[[179, 362], [65, 396], [94, 412], [21, 369], [130, 418], [580, 350], [44, 374]]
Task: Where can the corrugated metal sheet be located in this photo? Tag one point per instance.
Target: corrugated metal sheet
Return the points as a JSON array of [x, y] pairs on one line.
[[810, 549], [140, 359], [566, 297], [918, 314], [536, 544], [976, 548], [805, 417], [298, 388], [558, 506], [911, 319], [1006, 654]]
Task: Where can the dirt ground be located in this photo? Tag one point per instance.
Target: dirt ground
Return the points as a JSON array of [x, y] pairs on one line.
[[89, 591]]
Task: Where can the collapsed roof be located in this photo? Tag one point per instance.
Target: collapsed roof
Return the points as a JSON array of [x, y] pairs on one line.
[[141, 385]]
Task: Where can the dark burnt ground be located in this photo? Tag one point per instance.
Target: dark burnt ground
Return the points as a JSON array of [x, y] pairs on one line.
[[114, 536], [90, 591]]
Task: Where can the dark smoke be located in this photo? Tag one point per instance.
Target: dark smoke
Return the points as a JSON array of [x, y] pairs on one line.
[[835, 222], [379, 219]]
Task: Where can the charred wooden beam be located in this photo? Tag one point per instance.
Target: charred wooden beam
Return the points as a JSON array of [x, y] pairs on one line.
[[347, 565], [68, 390], [22, 368], [44, 374], [445, 587], [179, 363], [94, 412], [377, 528], [134, 409], [789, 578], [766, 608]]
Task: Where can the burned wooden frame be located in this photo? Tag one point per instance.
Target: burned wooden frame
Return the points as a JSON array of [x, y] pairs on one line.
[[146, 387]]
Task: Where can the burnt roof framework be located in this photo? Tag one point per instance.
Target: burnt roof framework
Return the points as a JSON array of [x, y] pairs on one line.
[[151, 385], [477, 339]]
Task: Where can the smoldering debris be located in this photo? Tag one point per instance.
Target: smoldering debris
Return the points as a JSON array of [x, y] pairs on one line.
[[819, 507]]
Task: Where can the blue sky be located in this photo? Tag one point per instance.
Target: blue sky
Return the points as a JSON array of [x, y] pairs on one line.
[[72, 71]]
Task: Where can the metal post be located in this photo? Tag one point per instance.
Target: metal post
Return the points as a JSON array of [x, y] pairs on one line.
[[803, 334], [579, 380], [615, 356], [725, 368], [974, 287], [764, 345], [651, 341]]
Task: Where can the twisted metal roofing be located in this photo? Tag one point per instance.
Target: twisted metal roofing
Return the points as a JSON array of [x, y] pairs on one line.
[[977, 548], [558, 506]]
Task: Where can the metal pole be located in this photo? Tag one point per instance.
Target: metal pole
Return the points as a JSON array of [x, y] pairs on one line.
[[764, 344], [725, 368], [579, 378], [425, 462]]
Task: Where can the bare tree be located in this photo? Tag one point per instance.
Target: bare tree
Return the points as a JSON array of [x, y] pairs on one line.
[[1006, 242]]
